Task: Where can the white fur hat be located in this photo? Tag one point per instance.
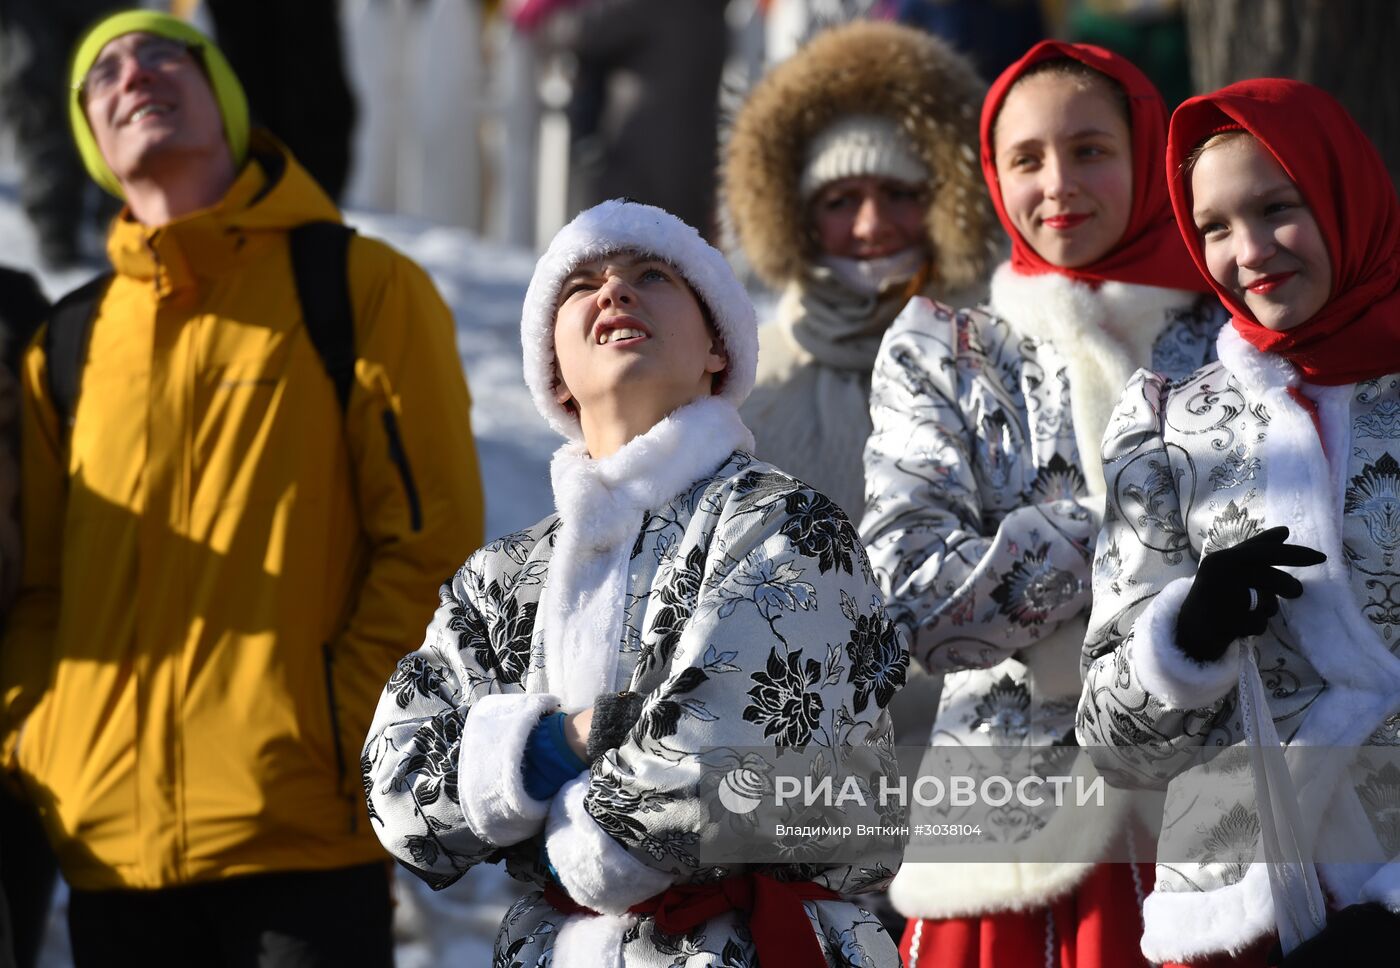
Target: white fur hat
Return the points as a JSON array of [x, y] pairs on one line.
[[624, 226]]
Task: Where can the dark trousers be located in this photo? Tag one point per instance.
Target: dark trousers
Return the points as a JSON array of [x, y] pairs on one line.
[[28, 870], [297, 919], [289, 58]]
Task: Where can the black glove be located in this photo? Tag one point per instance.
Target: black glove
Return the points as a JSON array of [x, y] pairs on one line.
[[1236, 592], [1363, 934], [614, 715]]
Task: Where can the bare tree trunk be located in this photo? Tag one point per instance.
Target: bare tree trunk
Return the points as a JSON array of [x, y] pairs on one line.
[[1346, 47]]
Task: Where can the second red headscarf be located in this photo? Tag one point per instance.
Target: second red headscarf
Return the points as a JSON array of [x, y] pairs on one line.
[[1150, 253], [1356, 335]]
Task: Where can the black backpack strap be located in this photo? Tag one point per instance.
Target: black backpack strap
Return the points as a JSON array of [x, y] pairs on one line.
[[320, 266], [66, 345]]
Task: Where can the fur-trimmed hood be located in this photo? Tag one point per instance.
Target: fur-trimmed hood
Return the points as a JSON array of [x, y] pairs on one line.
[[860, 68]]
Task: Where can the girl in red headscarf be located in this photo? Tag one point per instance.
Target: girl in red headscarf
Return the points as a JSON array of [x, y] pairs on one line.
[[985, 496], [1270, 519]]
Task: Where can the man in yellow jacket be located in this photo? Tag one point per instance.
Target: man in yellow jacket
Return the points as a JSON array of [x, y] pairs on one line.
[[222, 564]]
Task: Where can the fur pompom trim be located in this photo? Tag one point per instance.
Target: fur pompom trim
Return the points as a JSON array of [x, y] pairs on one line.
[[1165, 671], [590, 941], [594, 868], [623, 226], [863, 68], [490, 781], [600, 505]]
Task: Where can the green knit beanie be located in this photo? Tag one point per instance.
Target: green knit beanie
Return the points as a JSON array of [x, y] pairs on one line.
[[228, 92]]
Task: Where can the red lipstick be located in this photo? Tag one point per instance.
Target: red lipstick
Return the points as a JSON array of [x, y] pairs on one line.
[[1268, 284], [1066, 221]]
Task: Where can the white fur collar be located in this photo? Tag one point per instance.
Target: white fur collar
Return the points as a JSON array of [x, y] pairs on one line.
[[1052, 307], [1104, 334], [600, 505], [592, 496], [1256, 370]]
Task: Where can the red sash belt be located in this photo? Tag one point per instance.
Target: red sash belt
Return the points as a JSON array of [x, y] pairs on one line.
[[782, 932]]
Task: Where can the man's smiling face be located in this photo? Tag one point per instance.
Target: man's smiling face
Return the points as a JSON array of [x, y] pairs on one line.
[[147, 98]]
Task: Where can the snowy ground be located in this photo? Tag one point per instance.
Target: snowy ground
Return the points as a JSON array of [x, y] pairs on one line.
[[484, 284]]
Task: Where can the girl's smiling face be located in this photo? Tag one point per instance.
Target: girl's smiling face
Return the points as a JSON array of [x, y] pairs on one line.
[[1261, 241], [1064, 164]]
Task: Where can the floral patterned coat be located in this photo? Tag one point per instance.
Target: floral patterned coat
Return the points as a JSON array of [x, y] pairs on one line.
[[981, 518], [736, 599], [1240, 447]]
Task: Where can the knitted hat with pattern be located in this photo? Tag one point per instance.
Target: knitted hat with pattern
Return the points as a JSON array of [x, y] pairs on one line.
[[857, 145]]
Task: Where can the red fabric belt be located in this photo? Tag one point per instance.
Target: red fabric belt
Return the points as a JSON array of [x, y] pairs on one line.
[[782, 932]]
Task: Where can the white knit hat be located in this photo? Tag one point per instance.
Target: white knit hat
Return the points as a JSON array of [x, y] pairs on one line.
[[625, 226], [861, 144]]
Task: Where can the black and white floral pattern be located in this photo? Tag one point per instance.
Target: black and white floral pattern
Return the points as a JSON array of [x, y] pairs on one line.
[[752, 622]]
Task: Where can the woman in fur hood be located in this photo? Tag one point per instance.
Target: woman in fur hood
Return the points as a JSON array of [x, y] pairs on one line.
[[850, 183], [595, 691], [986, 490]]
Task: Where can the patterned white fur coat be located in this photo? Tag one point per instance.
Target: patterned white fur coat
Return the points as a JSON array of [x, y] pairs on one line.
[[736, 599], [980, 521], [1202, 465]]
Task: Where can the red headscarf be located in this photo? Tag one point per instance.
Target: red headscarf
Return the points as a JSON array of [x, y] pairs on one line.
[[1356, 335], [1150, 252]]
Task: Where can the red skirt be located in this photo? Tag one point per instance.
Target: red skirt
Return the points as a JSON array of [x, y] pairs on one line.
[[1097, 925]]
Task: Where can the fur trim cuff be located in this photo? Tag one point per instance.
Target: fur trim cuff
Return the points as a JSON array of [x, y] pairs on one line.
[[1384, 887], [622, 226], [490, 782], [1193, 925], [592, 940], [1163, 669], [593, 867]]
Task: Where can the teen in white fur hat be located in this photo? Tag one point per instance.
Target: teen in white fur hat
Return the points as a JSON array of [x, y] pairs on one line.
[[590, 685]]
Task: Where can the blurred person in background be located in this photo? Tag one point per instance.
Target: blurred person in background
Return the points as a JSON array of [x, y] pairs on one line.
[[644, 114], [1150, 33], [992, 33], [247, 462], [986, 493], [27, 865], [36, 39], [290, 59], [851, 184]]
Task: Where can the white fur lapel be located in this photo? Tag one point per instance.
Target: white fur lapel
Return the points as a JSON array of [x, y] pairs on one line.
[[1104, 335], [1304, 490], [600, 505]]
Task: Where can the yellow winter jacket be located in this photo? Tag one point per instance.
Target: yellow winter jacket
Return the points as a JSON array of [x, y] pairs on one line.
[[221, 567]]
